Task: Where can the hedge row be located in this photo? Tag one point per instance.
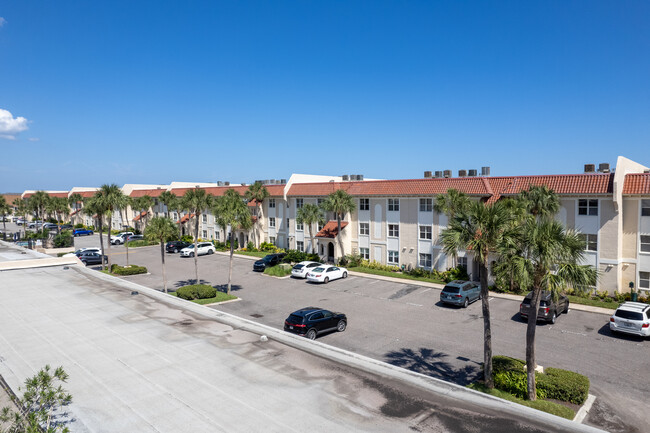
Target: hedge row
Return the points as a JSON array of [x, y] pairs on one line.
[[554, 383], [196, 291], [128, 270]]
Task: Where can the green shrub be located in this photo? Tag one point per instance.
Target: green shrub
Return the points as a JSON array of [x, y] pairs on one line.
[[564, 385], [376, 265], [140, 243], [267, 246], [187, 238], [220, 246], [127, 270], [196, 291], [79, 226], [295, 256], [281, 270], [513, 382], [354, 260], [63, 240], [457, 273], [505, 363], [250, 247]]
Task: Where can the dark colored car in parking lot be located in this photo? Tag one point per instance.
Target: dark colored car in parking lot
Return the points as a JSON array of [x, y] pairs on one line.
[[549, 309], [268, 261], [91, 258], [312, 321], [460, 293], [176, 246], [82, 232]]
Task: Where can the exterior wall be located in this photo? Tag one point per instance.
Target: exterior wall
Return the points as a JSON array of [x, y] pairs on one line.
[[608, 234]]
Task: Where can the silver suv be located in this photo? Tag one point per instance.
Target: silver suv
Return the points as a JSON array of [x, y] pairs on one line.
[[631, 318]]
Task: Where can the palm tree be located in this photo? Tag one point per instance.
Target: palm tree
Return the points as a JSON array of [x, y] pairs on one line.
[[169, 199], [450, 204], [339, 202], [61, 208], [197, 201], [480, 229], [258, 192], [38, 201], [179, 206], [113, 199], [4, 210], [540, 201], [74, 201], [95, 205], [230, 210], [143, 204], [22, 207], [161, 229], [309, 215]]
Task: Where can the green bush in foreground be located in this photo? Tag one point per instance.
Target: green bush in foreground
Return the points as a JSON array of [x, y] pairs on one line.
[[196, 291], [278, 271], [128, 270]]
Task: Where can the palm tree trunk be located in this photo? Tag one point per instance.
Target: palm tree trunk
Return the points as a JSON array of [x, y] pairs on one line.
[[101, 240], [338, 234], [487, 328], [196, 247], [162, 256], [110, 224], [232, 251], [311, 235], [530, 343]]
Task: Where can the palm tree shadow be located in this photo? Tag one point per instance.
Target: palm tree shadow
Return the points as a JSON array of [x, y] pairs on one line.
[[189, 282], [428, 362], [224, 287]]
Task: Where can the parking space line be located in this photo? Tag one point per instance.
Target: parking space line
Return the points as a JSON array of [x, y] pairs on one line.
[[415, 305]]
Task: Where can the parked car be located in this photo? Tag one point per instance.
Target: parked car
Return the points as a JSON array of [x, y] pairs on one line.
[[326, 273], [312, 321], [91, 258], [548, 308], [80, 251], [301, 269], [631, 318], [50, 226], [268, 261], [19, 221], [131, 238], [34, 224], [202, 248], [176, 246], [66, 227], [82, 232], [120, 238], [460, 293]]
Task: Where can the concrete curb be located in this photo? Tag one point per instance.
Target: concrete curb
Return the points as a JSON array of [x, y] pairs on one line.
[[584, 410], [354, 360]]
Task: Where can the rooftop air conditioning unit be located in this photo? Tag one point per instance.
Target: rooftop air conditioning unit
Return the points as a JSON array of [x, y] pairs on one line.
[[283, 181], [603, 167], [345, 177], [590, 168], [219, 183], [438, 173], [427, 174], [447, 173], [226, 183], [359, 177], [472, 173], [485, 171], [462, 173]]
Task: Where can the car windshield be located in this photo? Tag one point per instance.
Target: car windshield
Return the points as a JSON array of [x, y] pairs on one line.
[[449, 289], [632, 315], [267, 258], [190, 246], [319, 269], [298, 266]]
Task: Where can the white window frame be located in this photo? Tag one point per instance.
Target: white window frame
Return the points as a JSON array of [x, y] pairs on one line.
[[591, 241], [364, 204], [644, 243], [271, 202], [645, 207], [393, 205], [644, 280], [365, 226], [393, 230], [300, 227], [587, 204], [428, 235], [300, 246], [272, 222], [364, 253], [428, 261], [393, 257], [462, 261], [272, 240], [426, 205], [300, 203]]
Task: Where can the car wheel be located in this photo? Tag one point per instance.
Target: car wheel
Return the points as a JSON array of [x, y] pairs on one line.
[[345, 274], [480, 296], [210, 252], [84, 262], [175, 250], [326, 280], [341, 326], [191, 254], [311, 334], [466, 303], [566, 307], [553, 317]]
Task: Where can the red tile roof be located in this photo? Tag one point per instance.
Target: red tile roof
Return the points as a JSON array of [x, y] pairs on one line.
[[86, 194], [331, 229], [140, 216], [73, 213], [51, 194], [186, 218], [217, 191], [150, 192], [636, 184]]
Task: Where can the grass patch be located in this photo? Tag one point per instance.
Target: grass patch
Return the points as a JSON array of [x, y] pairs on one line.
[[141, 243], [220, 297], [593, 302], [278, 271], [543, 405], [394, 274], [259, 254]]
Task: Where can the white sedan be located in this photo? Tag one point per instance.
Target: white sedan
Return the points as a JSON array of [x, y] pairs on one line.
[[300, 270], [326, 273], [202, 248]]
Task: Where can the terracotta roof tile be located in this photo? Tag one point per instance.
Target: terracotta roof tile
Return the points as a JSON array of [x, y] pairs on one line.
[[637, 184], [217, 191], [186, 218], [140, 216], [331, 229], [150, 192]]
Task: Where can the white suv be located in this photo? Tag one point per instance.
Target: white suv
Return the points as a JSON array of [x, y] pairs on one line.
[[120, 238], [201, 248], [631, 318]]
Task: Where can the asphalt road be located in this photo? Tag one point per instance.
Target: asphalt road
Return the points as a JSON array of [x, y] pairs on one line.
[[405, 325]]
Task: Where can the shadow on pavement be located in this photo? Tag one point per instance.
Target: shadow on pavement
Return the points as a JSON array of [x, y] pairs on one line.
[[431, 363], [182, 283], [604, 330], [224, 287]]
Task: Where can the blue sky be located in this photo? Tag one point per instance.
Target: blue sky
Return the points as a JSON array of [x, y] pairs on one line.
[[154, 92]]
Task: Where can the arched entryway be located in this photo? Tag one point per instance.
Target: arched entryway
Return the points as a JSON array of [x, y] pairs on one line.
[[330, 252], [241, 240]]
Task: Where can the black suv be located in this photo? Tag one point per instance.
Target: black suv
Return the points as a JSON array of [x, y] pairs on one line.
[[91, 258], [548, 308], [311, 321], [268, 261], [176, 246]]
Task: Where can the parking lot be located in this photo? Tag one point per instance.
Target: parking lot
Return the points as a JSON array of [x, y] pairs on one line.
[[404, 324]]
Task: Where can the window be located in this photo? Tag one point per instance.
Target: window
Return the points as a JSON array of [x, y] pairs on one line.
[[425, 260], [587, 207], [272, 240], [426, 205], [320, 226], [591, 242], [364, 253], [364, 228], [272, 222], [205, 234], [287, 224], [300, 246], [393, 257], [205, 218], [393, 204], [644, 280], [175, 216], [645, 243], [425, 232], [645, 207], [320, 201], [299, 203], [364, 204], [462, 261], [393, 230], [300, 226], [217, 235], [271, 202]]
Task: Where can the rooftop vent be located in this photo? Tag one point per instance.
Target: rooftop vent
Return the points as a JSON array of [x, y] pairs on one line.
[[447, 173], [359, 177], [345, 178], [462, 173], [226, 183], [472, 173], [603, 167], [219, 183], [438, 173], [590, 168], [427, 174], [485, 171], [283, 181]]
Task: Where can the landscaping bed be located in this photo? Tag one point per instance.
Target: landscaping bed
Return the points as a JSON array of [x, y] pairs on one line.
[[202, 294], [126, 270], [281, 270]]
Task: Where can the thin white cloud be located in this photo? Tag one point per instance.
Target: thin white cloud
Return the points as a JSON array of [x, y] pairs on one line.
[[10, 125], [33, 139], [2, 21]]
